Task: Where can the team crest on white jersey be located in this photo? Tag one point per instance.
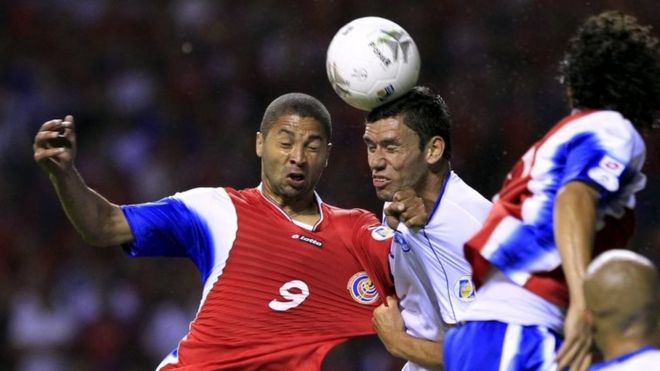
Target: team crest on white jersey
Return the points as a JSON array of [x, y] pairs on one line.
[[464, 289], [381, 233], [361, 288]]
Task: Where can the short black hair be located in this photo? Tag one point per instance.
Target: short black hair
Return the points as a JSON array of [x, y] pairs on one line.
[[613, 62], [423, 111], [296, 104]]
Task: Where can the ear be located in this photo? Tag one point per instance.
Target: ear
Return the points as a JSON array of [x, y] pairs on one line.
[[259, 144], [435, 148], [327, 156]]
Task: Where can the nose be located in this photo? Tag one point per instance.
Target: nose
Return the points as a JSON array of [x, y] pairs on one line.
[[297, 154], [376, 160]]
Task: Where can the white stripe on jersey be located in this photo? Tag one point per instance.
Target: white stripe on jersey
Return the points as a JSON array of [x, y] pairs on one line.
[[223, 224]]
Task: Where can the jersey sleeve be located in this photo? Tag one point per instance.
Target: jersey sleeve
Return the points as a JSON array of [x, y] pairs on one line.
[[372, 243], [601, 158], [163, 228]]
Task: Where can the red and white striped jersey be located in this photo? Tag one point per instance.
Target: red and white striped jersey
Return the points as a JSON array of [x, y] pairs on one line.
[[600, 148], [276, 296]]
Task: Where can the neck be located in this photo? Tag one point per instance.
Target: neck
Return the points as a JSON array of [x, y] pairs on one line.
[[616, 345], [433, 186], [303, 209]]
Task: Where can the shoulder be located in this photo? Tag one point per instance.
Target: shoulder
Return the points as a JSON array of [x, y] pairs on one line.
[[606, 126], [205, 198], [459, 195], [349, 216], [200, 194]]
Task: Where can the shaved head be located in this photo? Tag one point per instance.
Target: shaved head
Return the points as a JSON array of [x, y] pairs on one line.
[[623, 296]]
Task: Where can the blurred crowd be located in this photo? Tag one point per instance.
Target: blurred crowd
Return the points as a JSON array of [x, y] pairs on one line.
[[168, 95]]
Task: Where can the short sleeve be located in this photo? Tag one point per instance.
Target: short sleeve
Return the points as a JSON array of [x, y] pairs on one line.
[[599, 158], [163, 228], [372, 242]]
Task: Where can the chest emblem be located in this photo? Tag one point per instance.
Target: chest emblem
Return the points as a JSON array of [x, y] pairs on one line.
[[464, 289], [309, 240], [361, 288]]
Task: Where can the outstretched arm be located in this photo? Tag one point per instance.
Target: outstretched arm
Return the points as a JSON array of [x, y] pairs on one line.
[[574, 228], [388, 324], [98, 221]]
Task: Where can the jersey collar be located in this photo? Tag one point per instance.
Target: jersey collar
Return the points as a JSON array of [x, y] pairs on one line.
[[319, 203]]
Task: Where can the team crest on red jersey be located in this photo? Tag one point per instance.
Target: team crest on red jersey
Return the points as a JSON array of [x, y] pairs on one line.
[[362, 289]]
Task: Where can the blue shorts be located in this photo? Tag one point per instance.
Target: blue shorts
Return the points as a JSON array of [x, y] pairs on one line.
[[498, 346]]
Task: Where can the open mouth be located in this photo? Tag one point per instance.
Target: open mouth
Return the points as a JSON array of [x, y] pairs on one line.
[[379, 181], [296, 179]]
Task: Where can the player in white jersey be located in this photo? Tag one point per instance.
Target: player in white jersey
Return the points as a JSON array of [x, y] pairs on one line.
[[622, 292], [409, 148], [570, 197]]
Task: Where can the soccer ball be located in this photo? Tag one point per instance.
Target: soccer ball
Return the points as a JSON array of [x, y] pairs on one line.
[[371, 61]]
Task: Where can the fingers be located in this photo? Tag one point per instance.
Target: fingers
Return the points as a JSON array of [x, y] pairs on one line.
[[392, 221], [409, 208], [56, 133], [404, 195], [575, 352], [395, 208], [391, 301], [54, 144], [566, 354]]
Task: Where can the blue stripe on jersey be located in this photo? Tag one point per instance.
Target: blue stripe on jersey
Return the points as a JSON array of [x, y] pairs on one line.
[[583, 153], [497, 346], [169, 228], [524, 246], [571, 162]]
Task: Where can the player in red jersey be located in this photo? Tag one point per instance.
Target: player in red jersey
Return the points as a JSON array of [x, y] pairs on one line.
[[286, 277]]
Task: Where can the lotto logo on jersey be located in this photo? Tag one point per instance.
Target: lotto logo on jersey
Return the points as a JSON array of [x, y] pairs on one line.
[[464, 289], [381, 233], [361, 288]]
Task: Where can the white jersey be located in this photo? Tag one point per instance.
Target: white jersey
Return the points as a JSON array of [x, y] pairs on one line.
[[431, 276], [643, 359]]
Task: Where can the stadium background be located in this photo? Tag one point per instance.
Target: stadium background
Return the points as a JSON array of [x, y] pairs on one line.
[[168, 95]]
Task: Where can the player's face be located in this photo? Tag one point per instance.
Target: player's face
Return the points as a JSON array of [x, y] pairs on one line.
[[395, 159], [293, 154]]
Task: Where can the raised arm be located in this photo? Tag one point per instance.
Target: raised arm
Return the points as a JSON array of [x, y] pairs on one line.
[[575, 225], [98, 221]]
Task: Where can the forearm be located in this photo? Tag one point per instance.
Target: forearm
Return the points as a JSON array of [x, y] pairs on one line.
[[423, 352], [574, 229], [98, 221]]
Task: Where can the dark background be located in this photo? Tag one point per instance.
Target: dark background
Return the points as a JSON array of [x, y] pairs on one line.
[[168, 96]]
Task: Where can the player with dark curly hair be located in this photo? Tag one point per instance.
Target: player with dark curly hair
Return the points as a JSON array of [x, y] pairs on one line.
[[569, 198], [613, 63]]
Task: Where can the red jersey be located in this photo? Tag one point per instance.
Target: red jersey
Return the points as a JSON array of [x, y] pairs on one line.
[[277, 295]]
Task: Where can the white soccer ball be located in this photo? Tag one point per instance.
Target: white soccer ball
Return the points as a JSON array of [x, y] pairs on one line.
[[371, 61]]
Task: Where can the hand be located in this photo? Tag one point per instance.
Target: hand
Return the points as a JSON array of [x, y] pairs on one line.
[[55, 145], [388, 323], [408, 208], [575, 352]]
